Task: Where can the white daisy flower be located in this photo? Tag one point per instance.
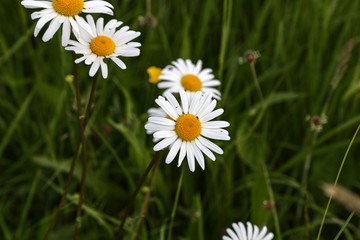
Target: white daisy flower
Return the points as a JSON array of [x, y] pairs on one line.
[[97, 42], [183, 74], [186, 127], [239, 232], [65, 13]]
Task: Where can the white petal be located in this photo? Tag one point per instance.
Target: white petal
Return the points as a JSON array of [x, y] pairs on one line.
[[211, 83], [205, 150], [66, 30], [218, 134], [162, 121], [104, 69], [195, 101], [249, 230], [173, 102], [156, 127], [37, 4], [238, 231], [269, 236], [182, 154], [164, 134], [184, 101], [212, 146], [212, 115], [242, 230], [90, 59], [164, 143], [215, 124], [118, 62], [53, 27], [232, 234], [42, 21], [83, 24], [100, 26], [198, 155], [256, 232], [94, 67], [207, 108], [173, 151], [166, 106], [198, 67], [190, 156]]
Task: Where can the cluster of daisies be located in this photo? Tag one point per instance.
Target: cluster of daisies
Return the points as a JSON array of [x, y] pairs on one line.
[[94, 41], [185, 119], [185, 124]]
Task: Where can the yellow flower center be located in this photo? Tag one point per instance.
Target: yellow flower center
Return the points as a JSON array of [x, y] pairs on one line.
[[188, 127], [191, 82], [154, 73], [68, 8], [102, 46]]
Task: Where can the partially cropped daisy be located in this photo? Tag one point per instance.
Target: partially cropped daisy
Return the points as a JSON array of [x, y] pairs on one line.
[[252, 232], [97, 42], [186, 127], [184, 75], [154, 73], [65, 13]]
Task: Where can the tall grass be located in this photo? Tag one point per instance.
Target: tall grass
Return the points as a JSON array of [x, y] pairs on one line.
[[301, 44]]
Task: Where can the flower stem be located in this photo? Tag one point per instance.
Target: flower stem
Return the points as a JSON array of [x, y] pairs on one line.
[[272, 199], [175, 204], [157, 157], [84, 148], [145, 205], [76, 152], [256, 81], [336, 180]]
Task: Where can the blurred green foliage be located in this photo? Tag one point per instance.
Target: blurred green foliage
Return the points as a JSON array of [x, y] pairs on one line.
[[301, 44]]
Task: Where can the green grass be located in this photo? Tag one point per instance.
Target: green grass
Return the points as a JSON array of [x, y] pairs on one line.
[[301, 44]]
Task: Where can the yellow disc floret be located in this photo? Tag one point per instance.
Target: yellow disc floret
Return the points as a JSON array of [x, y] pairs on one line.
[[191, 82], [154, 73], [188, 127], [102, 46], [68, 8]]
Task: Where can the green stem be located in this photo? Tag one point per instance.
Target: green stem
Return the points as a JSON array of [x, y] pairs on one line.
[[256, 81], [308, 158], [175, 204], [344, 226], [157, 157], [83, 143], [145, 205], [336, 180], [72, 166], [272, 199]]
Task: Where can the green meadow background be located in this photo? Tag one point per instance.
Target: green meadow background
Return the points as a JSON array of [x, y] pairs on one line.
[[301, 44]]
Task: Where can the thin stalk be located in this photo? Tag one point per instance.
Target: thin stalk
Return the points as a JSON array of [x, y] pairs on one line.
[[175, 204], [156, 158], [272, 199], [145, 205], [256, 81], [83, 143], [72, 166], [344, 226], [336, 180]]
